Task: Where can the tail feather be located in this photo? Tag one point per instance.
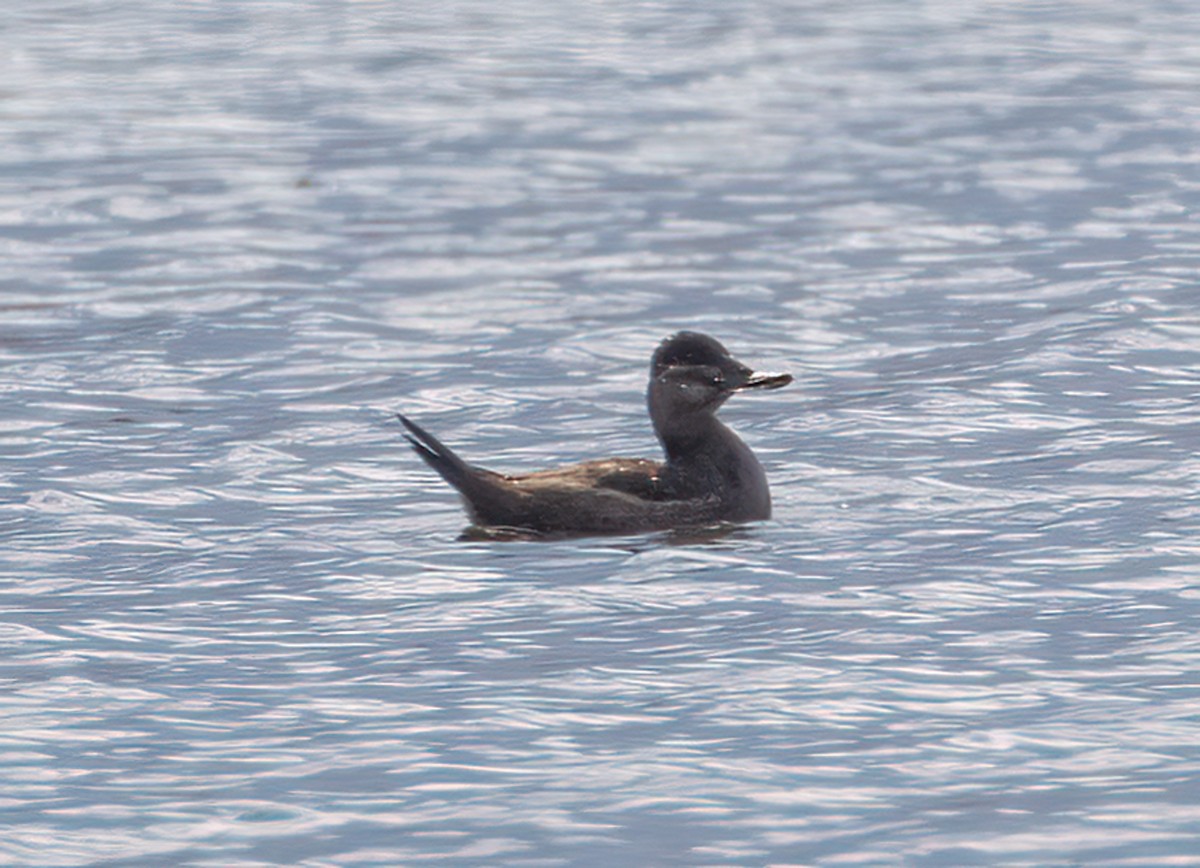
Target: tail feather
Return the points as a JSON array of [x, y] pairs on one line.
[[436, 454], [486, 495]]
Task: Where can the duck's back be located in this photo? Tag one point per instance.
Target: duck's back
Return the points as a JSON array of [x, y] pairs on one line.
[[615, 495]]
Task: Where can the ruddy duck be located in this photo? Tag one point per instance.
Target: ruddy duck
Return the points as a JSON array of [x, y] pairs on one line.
[[709, 476]]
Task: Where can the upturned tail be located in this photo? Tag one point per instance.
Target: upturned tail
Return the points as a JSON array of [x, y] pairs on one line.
[[437, 455]]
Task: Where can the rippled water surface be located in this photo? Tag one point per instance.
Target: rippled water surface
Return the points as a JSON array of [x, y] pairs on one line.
[[236, 623]]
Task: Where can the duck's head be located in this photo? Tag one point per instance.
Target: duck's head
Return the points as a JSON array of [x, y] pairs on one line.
[[692, 373]]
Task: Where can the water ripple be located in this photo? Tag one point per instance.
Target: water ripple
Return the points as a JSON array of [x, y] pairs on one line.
[[237, 623]]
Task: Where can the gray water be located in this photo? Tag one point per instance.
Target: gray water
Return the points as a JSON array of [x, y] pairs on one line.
[[237, 626]]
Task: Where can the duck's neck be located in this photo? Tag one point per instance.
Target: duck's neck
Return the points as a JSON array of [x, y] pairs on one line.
[[707, 458], [695, 437]]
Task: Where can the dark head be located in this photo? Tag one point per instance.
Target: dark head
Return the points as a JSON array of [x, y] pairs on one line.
[[691, 376]]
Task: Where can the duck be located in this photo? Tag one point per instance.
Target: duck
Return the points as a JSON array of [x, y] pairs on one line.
[[709, 475]]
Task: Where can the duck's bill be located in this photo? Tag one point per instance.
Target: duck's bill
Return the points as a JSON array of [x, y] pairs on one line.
[[766, 381]]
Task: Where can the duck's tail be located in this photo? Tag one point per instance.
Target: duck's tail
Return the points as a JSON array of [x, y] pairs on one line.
[[489, 497], [437, 455]]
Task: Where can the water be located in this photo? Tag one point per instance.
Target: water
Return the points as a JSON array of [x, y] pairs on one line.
[[237, 625]]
